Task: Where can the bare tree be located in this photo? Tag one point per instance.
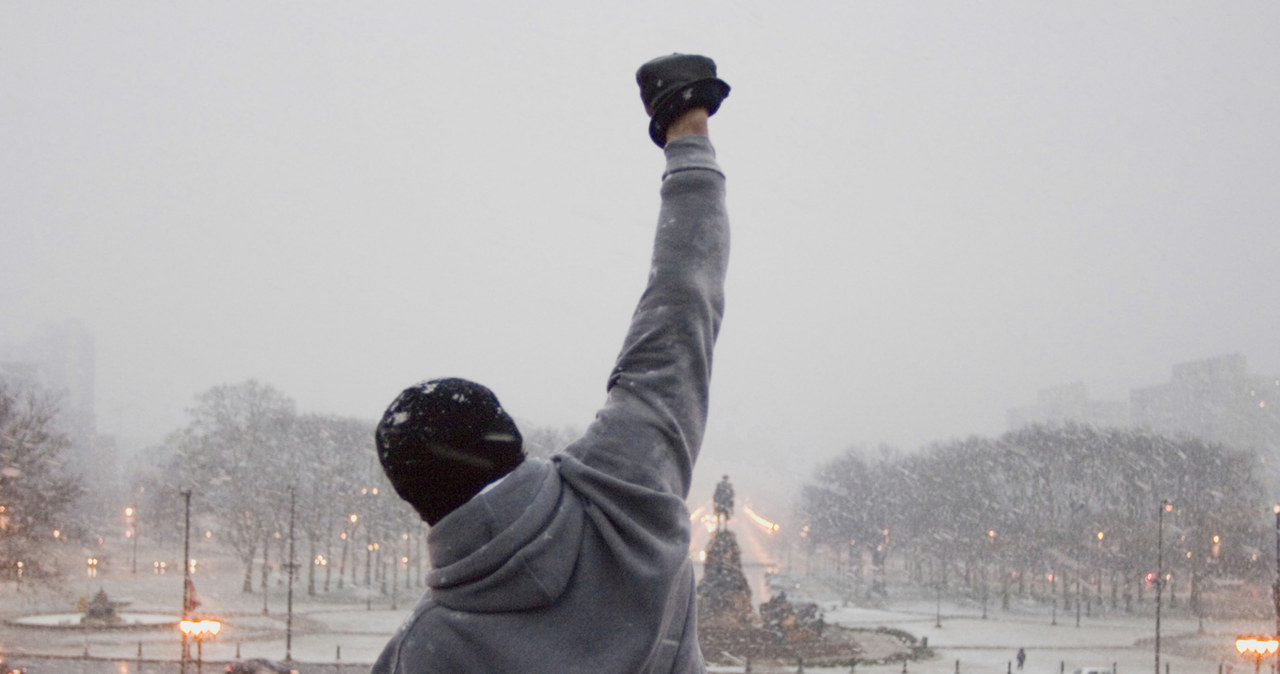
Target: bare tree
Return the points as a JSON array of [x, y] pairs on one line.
[[234, 452], [36, 489], [1045, 502]]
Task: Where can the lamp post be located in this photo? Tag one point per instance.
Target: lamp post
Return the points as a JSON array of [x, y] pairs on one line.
[[371, 549], [1256, 647], [186, 579], [1053, 593], [991, 542], [288, 631], [1079, 573], [91, 570], [133, 534], [200, 630], [368, 557], [347, 537], [1097, 569], [382, 567], [937, 582], [371, 492], [1165, 507], [266, 571], [1275, 592]]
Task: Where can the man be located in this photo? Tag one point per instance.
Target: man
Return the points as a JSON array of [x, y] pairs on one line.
[[580, 563]]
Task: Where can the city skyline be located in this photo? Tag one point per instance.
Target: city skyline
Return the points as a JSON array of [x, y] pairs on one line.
[[62, 361]]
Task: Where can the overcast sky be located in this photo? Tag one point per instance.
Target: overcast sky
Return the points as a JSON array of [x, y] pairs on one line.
[[938, 207]]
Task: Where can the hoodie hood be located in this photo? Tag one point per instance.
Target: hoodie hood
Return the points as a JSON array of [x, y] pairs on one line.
[[504, 550]]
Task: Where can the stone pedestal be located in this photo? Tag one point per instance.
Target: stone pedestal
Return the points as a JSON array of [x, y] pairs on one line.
[[724, 597]]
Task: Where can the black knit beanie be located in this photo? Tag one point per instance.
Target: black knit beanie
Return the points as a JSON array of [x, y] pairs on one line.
[[441, 441]]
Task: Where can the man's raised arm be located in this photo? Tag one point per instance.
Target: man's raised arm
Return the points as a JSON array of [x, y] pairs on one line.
[[650, 430]]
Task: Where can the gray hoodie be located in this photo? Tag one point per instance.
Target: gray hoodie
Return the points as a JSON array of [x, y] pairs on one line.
[[581, 563]]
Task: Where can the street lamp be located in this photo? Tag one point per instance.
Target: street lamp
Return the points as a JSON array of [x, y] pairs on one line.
[[132, 533], [200, 630], [1276, 590], [991, 542], [370, 549], [293, 569], [1256, 647], [186, 576], [368, 539], [348, 537], [355, 522], [1165, 507], [1053, 593], [1097, 569], [937, 583]]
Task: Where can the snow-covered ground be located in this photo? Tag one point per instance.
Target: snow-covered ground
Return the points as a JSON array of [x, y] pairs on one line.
[[353, 624]]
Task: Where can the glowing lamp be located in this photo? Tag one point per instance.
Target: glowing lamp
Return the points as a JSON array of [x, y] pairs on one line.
[[1257, 647], [201, 629]]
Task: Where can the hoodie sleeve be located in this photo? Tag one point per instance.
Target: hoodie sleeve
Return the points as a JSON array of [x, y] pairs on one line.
[[650, 429]]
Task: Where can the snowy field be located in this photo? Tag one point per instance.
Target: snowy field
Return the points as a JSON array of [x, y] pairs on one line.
[[350, 626]]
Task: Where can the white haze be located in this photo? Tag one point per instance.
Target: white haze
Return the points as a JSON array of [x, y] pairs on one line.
[[938, 207]]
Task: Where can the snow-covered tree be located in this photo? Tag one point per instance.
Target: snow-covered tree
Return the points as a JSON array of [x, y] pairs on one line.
[[1075, 502], [233, 455], [36, 489]]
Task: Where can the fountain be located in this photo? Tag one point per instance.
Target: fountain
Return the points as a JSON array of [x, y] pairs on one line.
[[101, 611]]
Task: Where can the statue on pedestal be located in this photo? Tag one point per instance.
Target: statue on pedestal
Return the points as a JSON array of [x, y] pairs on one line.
[[722, 502]]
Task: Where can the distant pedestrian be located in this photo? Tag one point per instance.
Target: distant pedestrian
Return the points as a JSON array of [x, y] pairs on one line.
[[1022, 657]]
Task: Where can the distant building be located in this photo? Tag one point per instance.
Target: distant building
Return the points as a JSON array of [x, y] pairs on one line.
[[1215, 400], [1069, 403], [60, 360]]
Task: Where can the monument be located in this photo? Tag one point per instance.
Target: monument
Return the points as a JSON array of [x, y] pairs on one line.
[[722, 502], [101, 611], [724, 596], [785, 630]]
